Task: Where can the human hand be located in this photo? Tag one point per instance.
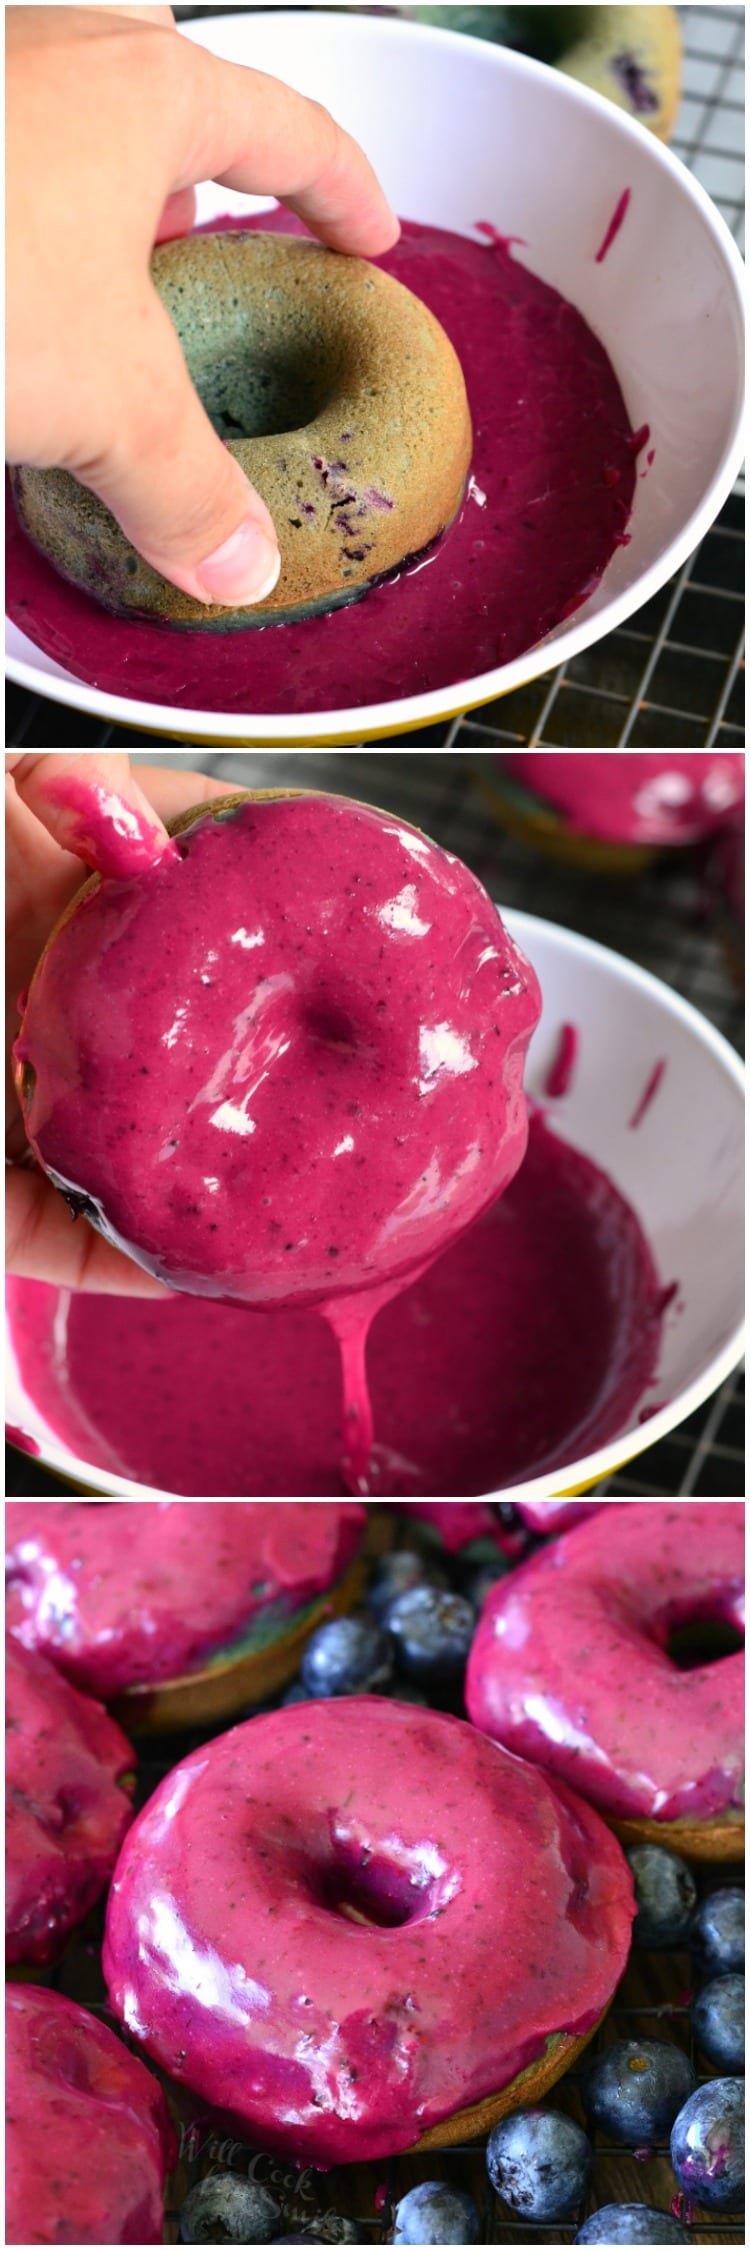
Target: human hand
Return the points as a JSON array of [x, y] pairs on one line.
[[47, 839], [112, 119]]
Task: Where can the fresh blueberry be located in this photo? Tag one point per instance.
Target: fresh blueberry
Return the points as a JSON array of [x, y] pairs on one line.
[[665, 1896], [436, 2212], [635, 2088], [348, 1657], [717, 2015], [432, 1632], [296, 1693], [632, 2222], [718, 1931], [395, 1574], [708, 2145], [225, 2208], [480, 1566], [540, 2162]]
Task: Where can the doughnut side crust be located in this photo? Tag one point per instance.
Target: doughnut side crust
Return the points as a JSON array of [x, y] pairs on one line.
[[350, 1921], [89, 2141], [66, 1810], [570, 1666], [362, 433]]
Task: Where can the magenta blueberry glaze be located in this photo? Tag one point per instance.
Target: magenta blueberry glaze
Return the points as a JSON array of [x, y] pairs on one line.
[[555, 1515], [634, 797], [342, 1923], [89, 2141], [570, 1664], [105, 832], [65, 1812], [457, 1524], [118, 1592], [288, 1063], [529, 1342], [553, 477]]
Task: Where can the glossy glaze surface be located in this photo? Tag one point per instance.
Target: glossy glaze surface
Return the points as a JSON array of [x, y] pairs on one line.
[[65, 1813], [530, 1341], [123, 1591], [287, 1063], [341, 1922], [89, 2140], [555, 1515], [547, 504], [634, 797], [570, 1665]]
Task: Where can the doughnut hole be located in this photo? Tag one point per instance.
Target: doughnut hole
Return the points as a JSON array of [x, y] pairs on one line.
[[383, 1885], [697, 1641]]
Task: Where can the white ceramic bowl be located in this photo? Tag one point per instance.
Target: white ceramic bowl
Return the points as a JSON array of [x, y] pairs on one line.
[[458, 131], [681, 1168]]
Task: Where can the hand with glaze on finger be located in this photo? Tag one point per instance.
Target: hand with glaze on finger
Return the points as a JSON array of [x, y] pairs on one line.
[[113, 118], [64, 817]]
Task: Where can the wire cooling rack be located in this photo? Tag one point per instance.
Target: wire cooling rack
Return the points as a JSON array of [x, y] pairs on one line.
[[663, 920], [673, 677]]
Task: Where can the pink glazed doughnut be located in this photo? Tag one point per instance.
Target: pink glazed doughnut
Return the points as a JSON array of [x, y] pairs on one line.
[[357, 1927], [89, 2142], [179, 1610], [66, 1807], [571, 1667]]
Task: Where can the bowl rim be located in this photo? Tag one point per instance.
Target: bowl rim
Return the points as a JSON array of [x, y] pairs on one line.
[[591, 1468], [403, 713]]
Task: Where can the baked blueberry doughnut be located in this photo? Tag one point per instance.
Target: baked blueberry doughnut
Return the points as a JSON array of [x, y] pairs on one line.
[[67, 1806], [88, 2136], [597, 1659], [357, 1927], [613, 810], [178, 1612], [339, 394]]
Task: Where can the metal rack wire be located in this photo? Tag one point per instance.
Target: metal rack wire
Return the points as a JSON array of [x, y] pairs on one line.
[[673, 677]]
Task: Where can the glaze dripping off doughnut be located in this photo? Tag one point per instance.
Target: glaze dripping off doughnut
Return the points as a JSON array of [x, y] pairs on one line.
[[341, 398], [582, 1662], [351, 1923]]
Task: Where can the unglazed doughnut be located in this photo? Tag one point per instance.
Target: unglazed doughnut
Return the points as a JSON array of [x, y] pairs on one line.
[[66, 1810], [630, 54], [336, 390], [349, 1924], [571, 1667], [179, 1611], [287, 1063], [89, 2141]]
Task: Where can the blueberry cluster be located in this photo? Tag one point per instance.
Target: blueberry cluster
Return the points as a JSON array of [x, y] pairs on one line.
[[412, 1640]]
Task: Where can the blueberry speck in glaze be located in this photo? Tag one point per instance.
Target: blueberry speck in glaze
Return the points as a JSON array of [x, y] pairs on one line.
[[632, 2222], [436, 2212], [350, 1656], [635, 2088], [718, 1932], [432, 1632], [717, 2015], [395, 1574], [707, 2146], [665, 1896], [225, 2208], [540, 2162]]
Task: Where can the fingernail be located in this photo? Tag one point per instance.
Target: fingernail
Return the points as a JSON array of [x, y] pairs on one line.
[[244, 569]]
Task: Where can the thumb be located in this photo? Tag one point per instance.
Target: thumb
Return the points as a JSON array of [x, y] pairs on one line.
[[176, 491]]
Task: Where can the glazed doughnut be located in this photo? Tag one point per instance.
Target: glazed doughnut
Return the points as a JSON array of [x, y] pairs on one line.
[[555, 1515], [66, 1806], [89, 2141], [357, 1927], [613, 809], [336, 390], [571, 1667], [180, 1611], [286, 1064]]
